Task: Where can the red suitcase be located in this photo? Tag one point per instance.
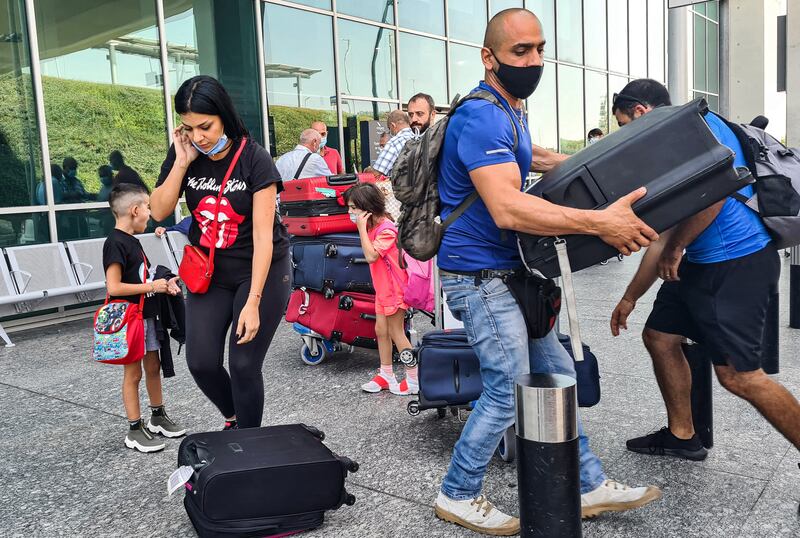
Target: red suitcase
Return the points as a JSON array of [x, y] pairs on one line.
[[313, 206], [347, 317]]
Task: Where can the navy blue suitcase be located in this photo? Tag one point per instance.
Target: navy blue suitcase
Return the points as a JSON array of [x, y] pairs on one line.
[[449, 371], [587, 372], [331, 264]]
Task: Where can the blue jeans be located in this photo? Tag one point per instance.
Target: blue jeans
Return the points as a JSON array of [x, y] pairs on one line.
[[497, 332]]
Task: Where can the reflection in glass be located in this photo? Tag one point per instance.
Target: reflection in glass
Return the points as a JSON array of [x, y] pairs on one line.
[[182, 56], [101, 77], [21, 172], [712, 10], [301, 85], [422, 67], [93, 223], [638, 37], [712, 58], [497, 6], [545, 11], [422, 15], [467, 20], [321, 4], [655, 39], [353, 114], [615, 85], [594, 13], [24, 229], [571, 131], [466, 69], [374, 10], [366, 60], [597, 108], [542, 118], [699, 54], [618, 36], [570, 28]]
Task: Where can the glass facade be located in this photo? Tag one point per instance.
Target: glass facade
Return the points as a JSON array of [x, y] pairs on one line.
[[107, 71], [705, 31]]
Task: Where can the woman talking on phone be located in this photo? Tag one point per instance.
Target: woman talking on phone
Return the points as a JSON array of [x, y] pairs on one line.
[[237, 264]]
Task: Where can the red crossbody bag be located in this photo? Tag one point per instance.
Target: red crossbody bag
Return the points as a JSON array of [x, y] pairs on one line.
[[196, 267]]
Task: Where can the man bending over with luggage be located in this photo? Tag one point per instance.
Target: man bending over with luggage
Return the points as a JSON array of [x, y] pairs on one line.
[[479, 249], [718, 269]]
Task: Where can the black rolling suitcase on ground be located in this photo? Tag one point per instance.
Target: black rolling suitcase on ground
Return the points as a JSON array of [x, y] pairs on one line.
[[670, 150], [259, 482], [330, 264], [449, 372]]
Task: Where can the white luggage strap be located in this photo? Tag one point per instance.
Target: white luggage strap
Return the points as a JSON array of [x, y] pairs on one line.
[[569, 296], [306, 299]]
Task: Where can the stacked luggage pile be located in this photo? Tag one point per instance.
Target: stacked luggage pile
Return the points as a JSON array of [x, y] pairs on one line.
[[333, 302]]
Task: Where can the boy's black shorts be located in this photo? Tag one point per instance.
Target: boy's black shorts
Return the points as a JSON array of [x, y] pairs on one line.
[[721, 305]]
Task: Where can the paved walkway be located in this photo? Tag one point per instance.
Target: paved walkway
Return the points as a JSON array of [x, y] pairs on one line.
[[65, 471]]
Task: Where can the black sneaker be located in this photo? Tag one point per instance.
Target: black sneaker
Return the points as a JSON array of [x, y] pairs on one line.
[[664, 443]]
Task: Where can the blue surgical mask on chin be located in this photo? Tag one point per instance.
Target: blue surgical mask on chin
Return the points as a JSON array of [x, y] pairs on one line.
[[219, 146], [353, 218]]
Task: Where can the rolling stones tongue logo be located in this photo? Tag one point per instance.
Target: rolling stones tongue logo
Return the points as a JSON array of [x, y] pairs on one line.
[[229, 220]]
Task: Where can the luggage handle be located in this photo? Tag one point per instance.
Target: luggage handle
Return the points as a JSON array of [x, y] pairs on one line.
[[457, 376], [343, 179], [359, 260], [589, 185], [197, 454], [370, 317]]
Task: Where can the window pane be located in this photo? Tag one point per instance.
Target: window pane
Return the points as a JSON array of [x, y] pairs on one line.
[[422, 15], [93, 223], [655, 39], [375, 11], [570, 29], [712, 11], [594, 13], [546, 12], [713, 102], [499, 5], [615, 85], [21, 173], [618, 36], [366, 60], [542, 117], [699, 8], [24, 229], [101, 77], [467, 20], [322, 4], [638, 38], [466, 69], [596, 101], [712, 56], [356, 116], [301, 84], [570, 109], [422, 67], [699, 53], [225, 50]]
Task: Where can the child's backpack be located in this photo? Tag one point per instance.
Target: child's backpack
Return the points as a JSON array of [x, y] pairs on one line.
[[418, 290], [776, 170], [414, 181], [119, 330]]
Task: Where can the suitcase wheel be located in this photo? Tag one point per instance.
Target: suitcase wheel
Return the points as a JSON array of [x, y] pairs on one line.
[[350, 465], [350, 499], [413, 408], [408, 357], [507, 449], [313, 355]]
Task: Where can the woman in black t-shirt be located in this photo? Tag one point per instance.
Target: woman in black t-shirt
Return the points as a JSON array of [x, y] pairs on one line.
[[252, 247]]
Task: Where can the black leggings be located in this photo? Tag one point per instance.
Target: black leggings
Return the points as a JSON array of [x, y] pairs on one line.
[[209, 316]]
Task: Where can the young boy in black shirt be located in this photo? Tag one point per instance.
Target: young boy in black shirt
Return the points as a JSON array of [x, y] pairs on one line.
[[127, 274]]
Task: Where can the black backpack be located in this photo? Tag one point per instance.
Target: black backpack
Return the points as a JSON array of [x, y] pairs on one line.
[[415, 184]]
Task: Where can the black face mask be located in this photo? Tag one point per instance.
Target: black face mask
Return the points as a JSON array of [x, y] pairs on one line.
[[520, 82]]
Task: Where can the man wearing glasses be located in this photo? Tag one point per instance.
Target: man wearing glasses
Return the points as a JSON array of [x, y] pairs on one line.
[[718, 269]]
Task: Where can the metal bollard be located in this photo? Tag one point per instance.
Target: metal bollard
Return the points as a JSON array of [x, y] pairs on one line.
[[548, 466], [794, 288], [702, 396]]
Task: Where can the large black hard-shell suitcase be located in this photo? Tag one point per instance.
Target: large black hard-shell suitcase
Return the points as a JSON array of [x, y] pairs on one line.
[[670, 150], [262, 481]]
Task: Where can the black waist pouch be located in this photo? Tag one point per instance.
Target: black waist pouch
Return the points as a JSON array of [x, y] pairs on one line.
[[539, 299]]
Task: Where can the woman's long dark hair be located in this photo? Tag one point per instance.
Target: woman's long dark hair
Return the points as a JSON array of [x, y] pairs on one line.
[[205, 95], [369, 198]]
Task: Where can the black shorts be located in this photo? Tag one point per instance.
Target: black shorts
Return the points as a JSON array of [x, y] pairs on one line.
[[722, 306]]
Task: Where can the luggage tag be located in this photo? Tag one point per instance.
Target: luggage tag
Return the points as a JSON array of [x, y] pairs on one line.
[[326, 192], [178, 478], [569, 292]]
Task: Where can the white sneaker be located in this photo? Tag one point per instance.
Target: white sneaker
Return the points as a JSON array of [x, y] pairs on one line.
[[405, 388], [379, 383], [611, 496], [477, 515]]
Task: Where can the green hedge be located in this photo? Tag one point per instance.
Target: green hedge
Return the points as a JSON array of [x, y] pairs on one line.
[[289, 122]]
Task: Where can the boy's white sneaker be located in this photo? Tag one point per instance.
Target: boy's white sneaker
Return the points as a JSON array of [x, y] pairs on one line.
[[477, 515]]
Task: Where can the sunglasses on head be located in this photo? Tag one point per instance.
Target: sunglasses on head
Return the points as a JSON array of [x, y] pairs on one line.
[[623, 97]]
